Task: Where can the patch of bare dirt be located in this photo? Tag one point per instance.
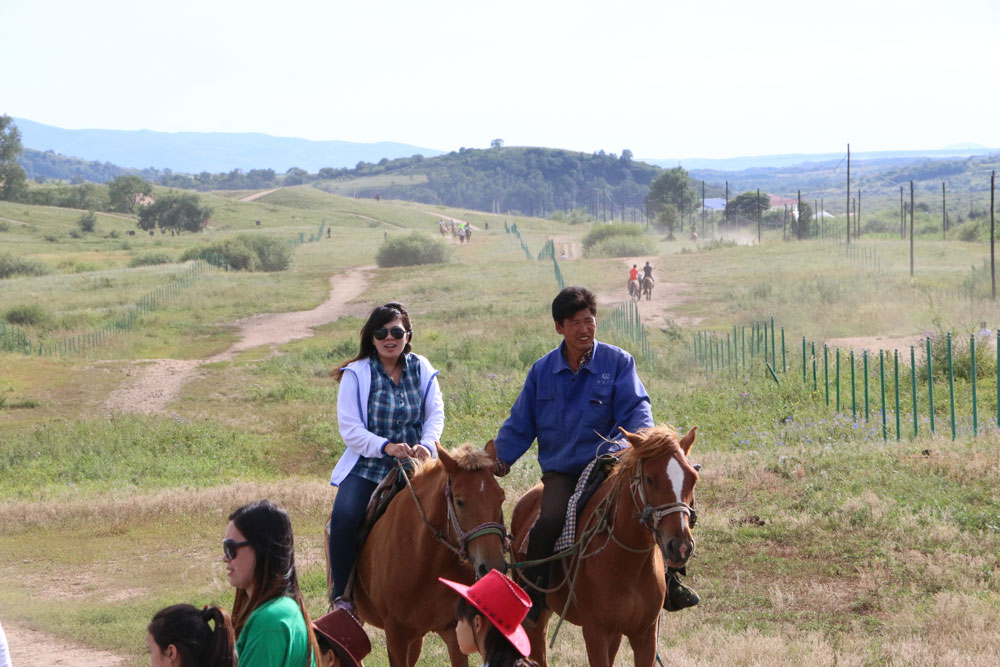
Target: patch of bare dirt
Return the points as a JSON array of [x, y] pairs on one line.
[[566, 249], [861, 343], [158, 382], [258, 195], [30, 648]]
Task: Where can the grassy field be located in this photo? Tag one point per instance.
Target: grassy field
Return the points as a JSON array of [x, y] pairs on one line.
[[817, 543]]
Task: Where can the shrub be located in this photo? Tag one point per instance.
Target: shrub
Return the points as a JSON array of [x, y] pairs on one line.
[[410, 250], [16, 266], [150, 259], [967, 231], [51, 238], [621, 246], [26, 316], [4, 226], [75, 234], [602, 232], [246, 252], [87, 222]]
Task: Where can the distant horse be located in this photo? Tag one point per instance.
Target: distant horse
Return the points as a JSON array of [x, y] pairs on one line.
[[634, 290], [638, 520], [694, 235], [647, 287], [450, 525]]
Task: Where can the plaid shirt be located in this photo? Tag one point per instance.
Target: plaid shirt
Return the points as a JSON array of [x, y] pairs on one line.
[[395, 412]]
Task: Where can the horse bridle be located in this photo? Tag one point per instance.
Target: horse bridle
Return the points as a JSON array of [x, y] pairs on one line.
[[464, 536], [649, 515]]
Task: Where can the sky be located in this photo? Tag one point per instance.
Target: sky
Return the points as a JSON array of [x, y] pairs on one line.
[[664, 79]]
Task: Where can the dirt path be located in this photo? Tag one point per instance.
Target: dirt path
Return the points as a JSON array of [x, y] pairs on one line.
[[156, 382], [257, 195], [29, 648], [567, 249], [450, 218]]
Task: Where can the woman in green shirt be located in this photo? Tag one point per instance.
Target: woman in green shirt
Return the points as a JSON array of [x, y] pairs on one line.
[[269, 614]]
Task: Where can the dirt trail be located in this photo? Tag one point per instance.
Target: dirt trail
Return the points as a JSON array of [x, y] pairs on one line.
[[449, 218], [657, 311], [156, 382], [29, 648], [257, 195]]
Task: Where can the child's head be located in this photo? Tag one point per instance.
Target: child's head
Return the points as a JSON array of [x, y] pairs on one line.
[[342, 641], [489, 616], [188, 636]]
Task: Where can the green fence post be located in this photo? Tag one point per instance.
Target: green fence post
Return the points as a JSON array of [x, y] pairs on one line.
[[804, 371], [812, 345], [773, 364], [784, 367], [881, 372], [998, 376], [765, 341], [854, 395], [895, 375], [864, 356], [826, 373], [913, 383], [951, 387], [930, 383], [743, 356], [975, 411], [837, 375]]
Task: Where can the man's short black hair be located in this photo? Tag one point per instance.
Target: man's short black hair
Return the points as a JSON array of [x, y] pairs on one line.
[[571, 301]]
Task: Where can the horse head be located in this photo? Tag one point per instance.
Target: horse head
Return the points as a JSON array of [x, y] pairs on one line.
[[661, 481], [475, 509]]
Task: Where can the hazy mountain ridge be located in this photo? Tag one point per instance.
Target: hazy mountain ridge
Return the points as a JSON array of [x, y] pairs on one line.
[[195, 152]]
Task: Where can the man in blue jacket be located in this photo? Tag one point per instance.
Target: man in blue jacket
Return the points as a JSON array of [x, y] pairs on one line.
[[573, 401]]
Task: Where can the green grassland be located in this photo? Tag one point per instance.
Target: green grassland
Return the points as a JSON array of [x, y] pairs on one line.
[[818, 541]]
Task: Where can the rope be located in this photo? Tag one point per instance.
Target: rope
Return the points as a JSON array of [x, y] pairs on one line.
[[438, 535]]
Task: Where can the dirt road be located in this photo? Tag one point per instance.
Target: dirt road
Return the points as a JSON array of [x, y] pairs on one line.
[[156, 382], [666, 296]]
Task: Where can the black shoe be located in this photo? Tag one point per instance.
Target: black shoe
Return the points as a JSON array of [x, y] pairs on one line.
[[678, 595]]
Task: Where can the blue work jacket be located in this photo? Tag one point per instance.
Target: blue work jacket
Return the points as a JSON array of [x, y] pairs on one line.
[[570, 413]]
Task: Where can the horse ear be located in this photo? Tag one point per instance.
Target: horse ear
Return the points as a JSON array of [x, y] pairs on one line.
[[491, 449], [445, 458], [634, 438], [688, 440]]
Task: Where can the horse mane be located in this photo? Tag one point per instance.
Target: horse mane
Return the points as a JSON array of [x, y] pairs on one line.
[[654, 441], [466, 457]]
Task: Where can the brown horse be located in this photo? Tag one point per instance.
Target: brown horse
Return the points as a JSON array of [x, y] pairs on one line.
[[618, 579], [462, 538], [634, 290], [647, 287]]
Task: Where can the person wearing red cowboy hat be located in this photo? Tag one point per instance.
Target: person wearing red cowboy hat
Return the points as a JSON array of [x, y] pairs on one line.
[[489, 615], [342, 641]]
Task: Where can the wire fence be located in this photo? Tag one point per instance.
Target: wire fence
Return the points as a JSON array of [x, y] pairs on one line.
[[893, 392]]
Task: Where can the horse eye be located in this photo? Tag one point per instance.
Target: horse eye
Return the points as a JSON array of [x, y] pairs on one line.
[[649, 480], [459, 503]]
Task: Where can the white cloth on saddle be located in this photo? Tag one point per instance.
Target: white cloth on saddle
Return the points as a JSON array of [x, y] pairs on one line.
[[568, 535]]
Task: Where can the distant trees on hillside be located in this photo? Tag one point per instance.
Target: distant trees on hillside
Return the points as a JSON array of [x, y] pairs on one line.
[[747, 203], [127, 192], [669, 197], [12, 179], [178, 212]]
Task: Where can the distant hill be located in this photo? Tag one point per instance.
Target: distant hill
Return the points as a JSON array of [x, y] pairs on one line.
[[799, 159], [196, 152]]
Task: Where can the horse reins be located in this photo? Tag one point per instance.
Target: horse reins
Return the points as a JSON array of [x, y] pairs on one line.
[[464, 537]]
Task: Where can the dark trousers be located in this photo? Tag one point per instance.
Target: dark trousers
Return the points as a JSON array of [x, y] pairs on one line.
[[348, 512], [557, 487]]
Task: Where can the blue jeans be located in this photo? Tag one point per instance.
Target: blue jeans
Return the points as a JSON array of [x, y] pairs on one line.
[[348, 512]]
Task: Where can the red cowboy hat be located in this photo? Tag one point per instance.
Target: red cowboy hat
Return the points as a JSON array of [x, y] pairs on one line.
[[503, 602], [344, 631]]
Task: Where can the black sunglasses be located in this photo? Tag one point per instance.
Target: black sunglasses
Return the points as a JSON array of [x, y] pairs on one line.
[[229, 547], [397, 333]]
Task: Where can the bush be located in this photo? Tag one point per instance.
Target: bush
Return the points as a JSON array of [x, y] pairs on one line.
[[621, 246], [26, 316], [969, 232], [16, 266], [602, 232], [4, 226], [150, 259], [246, 252], [87, 222], [410, 250]]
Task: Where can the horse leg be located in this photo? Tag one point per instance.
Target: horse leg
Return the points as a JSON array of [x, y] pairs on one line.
[[458, 659], [413, 650], [397, 643], [644, 647], [599, 645], [616, 641], [536, 636]]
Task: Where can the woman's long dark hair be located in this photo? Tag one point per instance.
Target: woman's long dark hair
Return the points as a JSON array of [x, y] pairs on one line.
[[198, 643], [498, 651], [378, 318], [269, 531]]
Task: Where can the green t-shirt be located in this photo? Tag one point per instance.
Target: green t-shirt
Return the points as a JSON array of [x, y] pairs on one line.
[[274, 636]]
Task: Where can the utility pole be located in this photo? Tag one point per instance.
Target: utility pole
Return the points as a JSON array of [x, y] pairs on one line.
[[784, 221], [911, 229], [822, 207], [725, 212], [799, 232], [902, 214], [848, 194], [993, 272], [703, 208], [758, 216], [857, 216]]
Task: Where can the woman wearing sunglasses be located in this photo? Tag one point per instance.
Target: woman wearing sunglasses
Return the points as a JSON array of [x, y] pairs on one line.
[[389, 407], [269, 614]]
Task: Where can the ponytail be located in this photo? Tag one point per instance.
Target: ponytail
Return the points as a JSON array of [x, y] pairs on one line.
[[220, 648], [190, 631]]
